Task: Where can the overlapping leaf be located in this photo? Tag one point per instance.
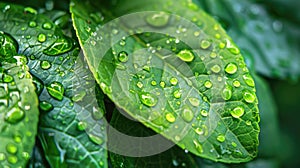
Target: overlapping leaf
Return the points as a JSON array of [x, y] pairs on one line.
[[181, 76], [70, 130]]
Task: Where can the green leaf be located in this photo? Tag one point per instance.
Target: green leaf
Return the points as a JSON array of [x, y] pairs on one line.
[[272, 41], [18, 111], [63, 82], [173, 157], [186, 81]]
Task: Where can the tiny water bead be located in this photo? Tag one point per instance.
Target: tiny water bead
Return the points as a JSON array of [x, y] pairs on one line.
[[204, 113], [249, 97], [198, 146], [221, 138], [187, 114], [45, 106], [17, 138], [139, 84], [248, 80], [208, 84], [199, 131], [11, 148], [215, 68], [2, 156], [231, 68], [170, 117], [205, 44], [186, 55], [194, 101], [177, 94], [173, 81], [123, 56], [45, 65], [237, 112], [56, 90], [30, 10], [14, 115], [47, 26], [227, 93], [41, 37], [236, 83], [81, 126], [148, 99], [153, 83], [160, 19], [32, 24], [96, 139]]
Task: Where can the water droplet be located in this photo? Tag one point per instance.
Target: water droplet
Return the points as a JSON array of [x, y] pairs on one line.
[[227, 93], [222, 45], [60, 46], [32, 24], [153, 83], [47, 26], [236, 83], [45, 106], [162, 84], [2, 156], [205, 44], [41, 37], [204, 113], [160, 19], [199, 131], [14, 115], [25, 155], [234, 50], [56, 90], [148, 99], [248, 80], [237, 112], [123, 56], [30, 10], [186, 55], [249, 97], [221, 138], [175, 163], [139, 85], [97, 114], [11, 148], [215, 68], [233, 144], [198, 146], [79, 96], [174, 81], [196, 33], [96, 139], [177, 94], [194, 101], [45, 65], [208, 84], [12, 159], [170, 117], [17, 138], [231, 68], [177, 138], [187, 114], [81, 126], [7, 78]]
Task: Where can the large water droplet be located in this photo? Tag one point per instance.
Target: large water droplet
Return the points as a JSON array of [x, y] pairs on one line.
[[205, 44], [45, 106], [248, 80], [14, 115], [8, 45], [231, 68], [227, 93], [96, 139], [41, 37], [56, 90], [221, 138], [198, 146], [186, 55], [11, 148], [237, 112], [60, 46], [45, 65], [249, 97], [123, 56], [187, 114], [148, 99], [160, 19], [170, 117]]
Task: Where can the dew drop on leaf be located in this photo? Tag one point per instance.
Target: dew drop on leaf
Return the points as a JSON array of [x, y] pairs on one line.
[[177, 94], [123, 56], [96, 139], [81, 126], [45, 106], [170, 117], [231, 68], [56, 90], [186, 55], [32, 24], [208, 84], [194, 101], [79, 96], [215, 68], [2, 156], [249, 97], [221, 138], [237, 112], [205, 44], [17, 138], [198, 146], [7, 78], [204, 113], [45, 65], [199, 131], [12, 159], [236, 83], [11, 148], [187, 114], [159, 19], [227, 93], [148, 99], [41, 37], [60, 46], [248, 80], [47, 25], [30, 10], [14, 115], [8, 45], [173, 81]]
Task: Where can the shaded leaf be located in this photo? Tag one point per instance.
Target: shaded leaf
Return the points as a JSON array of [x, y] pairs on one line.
[[186, 81]]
